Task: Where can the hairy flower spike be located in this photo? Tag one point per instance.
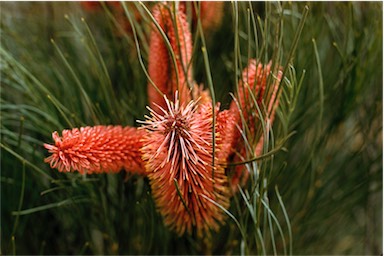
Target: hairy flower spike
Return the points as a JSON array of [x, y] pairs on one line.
[[178, 148], [96, 149], [254, 80], [161, 67]]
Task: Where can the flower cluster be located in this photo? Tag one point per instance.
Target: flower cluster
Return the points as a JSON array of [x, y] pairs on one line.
[[185, 143]]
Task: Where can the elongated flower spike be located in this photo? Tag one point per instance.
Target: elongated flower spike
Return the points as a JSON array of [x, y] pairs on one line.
[[161, 67], [254, 79], [178, 151], [97, 149]]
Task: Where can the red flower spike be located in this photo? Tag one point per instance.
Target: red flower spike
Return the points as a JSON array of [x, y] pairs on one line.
[[161, 68], [178, 148], [255, 77], [255, 80], [96, 149]]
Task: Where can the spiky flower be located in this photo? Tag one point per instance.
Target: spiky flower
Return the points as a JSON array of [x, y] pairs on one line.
[[184, 172], [166, 76], [96, 149]]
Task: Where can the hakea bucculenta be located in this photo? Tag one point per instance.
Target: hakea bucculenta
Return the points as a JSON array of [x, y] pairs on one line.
[[175, 146]]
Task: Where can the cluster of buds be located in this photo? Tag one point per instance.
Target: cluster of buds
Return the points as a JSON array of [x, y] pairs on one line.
[[185, 142]]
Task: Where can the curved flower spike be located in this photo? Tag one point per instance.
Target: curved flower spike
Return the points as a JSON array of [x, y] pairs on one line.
[[178, 151], [96, 149], [254, 80], [161, 67]]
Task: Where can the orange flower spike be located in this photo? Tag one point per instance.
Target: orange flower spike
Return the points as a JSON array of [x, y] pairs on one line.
[[255, 76], [161, 68], [178, 148], [254, 79], [96, 149]]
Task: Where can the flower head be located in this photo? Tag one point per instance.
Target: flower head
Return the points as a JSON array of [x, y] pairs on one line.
[[178, 151], [96, 149]]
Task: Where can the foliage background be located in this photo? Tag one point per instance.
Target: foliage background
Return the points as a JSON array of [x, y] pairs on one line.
[[329, 174]]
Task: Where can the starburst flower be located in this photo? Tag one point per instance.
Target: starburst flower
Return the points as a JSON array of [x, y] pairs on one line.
[[165, 75], [96, 149], [183, 170]]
